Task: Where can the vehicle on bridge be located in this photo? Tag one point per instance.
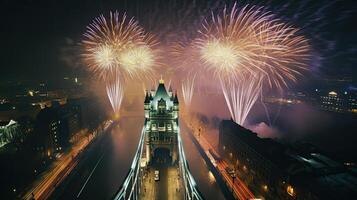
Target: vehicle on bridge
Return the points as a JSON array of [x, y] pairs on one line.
[[157, 175]]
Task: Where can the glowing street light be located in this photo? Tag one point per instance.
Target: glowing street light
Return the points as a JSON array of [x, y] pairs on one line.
[[265, 188], [290, 190]]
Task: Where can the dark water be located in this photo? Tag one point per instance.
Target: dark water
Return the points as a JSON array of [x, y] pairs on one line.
[[113, 164]]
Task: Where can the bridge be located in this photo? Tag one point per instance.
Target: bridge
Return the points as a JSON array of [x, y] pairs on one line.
[[159, 169]]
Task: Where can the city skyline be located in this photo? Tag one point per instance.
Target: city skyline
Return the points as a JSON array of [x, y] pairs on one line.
[[178, 99]]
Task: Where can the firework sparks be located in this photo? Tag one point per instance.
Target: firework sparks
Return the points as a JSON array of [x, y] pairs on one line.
[[223, 56], [115, 92], [185, 58], [240, 96], [104, 56], [245, 48], [188, 89], [137, 59], [252, 40], [118, 46]]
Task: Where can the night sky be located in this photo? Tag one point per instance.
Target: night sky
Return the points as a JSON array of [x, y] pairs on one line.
[[40, 37]]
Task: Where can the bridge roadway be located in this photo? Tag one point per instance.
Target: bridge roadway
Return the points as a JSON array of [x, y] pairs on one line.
[[168, 187], [107, 165]]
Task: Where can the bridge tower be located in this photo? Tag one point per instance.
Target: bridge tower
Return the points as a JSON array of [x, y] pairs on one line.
[[161, 115], [160, 155]]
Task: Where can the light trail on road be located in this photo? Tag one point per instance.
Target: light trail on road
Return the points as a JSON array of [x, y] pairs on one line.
[[60, 169]]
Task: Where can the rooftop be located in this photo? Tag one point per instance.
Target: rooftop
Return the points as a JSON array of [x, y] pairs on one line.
[[305, 165]]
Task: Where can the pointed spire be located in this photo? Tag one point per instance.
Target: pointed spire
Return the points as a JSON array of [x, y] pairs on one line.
[[147, 98], [161, 81], [176, 98]]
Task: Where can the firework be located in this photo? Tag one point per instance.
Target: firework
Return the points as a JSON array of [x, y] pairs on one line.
[[240, 96], [188, 89], [138, 59], [104, 56], [245, 48], [252, 40], [184, 56], [118, 46], [115, 92]]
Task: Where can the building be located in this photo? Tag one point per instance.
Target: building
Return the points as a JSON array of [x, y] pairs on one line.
[[338, 102], [277, 171], [328, 99], [161, 115], [91, 111], [56, 125], [9, 131]]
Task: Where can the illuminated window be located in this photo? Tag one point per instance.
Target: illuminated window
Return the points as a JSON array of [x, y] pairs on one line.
[[153, 126]]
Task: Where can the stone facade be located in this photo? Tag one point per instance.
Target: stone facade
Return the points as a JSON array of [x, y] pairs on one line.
[[161, 119]]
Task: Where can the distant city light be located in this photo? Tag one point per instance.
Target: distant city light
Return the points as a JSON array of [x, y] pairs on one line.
[[211, 178], [290, 190], [265, 188], [31, 93], [333, 93], [245, 168]]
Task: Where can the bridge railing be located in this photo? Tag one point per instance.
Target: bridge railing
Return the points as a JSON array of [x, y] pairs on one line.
[[190, 186]]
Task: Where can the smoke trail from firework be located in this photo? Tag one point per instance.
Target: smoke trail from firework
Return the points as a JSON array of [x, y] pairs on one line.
[[188, 86], [247, 47], [115, 92]]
